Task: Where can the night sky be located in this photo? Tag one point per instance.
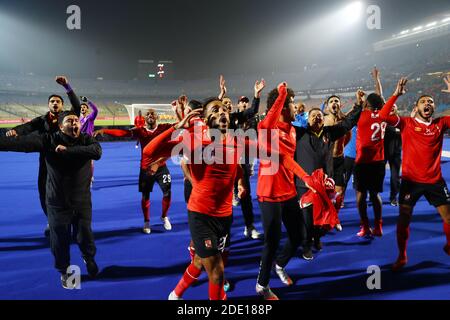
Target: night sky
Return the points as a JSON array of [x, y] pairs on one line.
[[202, 37]]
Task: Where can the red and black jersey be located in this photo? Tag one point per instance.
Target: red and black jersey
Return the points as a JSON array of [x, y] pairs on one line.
[[371, 130], [213, 174], [422, 148], [275, 182], [212, 179], [144, 135]]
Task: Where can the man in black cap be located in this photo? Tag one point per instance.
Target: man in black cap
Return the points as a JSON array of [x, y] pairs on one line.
[[67, 154]]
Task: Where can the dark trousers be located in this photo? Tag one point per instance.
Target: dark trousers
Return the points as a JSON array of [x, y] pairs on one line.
[[395, 163], [349, 166], [187, 190], [42, 183], [309, 232], [272, 214], [246, 202], [60, 220]]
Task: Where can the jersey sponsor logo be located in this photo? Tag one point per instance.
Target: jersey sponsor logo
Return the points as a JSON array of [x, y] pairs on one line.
[[428, 132]]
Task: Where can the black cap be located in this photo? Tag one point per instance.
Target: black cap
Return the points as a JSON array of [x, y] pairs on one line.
[[244, 99]]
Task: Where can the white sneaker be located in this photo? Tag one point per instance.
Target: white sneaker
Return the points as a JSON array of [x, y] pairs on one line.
[[251, 233], [173, 296], [265, 292], [146, 228], [338, 227], [284, 277], [167, 224]]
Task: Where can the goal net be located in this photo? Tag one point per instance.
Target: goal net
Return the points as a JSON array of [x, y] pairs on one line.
[[163, 110]]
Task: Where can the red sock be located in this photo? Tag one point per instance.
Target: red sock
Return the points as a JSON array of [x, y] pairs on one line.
[[216, 291], [165, 206], [146, 209], [225, 255], [402, 239], [447, 233], [190, 276]]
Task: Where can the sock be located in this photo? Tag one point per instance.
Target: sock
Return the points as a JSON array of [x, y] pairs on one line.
[[190, 276], [402, 239], [216, 291], [146, 209], [165, 206], [447, 233]]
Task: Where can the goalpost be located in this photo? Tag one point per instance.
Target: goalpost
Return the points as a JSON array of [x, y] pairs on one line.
[[164, 111]]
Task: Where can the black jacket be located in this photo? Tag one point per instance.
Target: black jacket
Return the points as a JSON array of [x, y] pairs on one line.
[[316, 151], [68, 174], [42, 124], [392, 143], [239, 118]]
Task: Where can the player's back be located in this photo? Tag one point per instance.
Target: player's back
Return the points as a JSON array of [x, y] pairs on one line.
[[370, 137]]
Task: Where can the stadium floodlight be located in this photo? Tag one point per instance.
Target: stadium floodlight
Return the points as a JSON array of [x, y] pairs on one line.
[[446, 20], [404, 32], [431, 24], [352, 12], [418, 28]]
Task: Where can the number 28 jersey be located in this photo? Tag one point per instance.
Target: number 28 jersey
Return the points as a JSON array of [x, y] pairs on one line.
[[370, 137]]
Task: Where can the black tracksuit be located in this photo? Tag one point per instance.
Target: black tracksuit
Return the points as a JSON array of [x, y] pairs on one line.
[[41, 125], [316, 152], [393, 155], [238, 120], [68, 192]]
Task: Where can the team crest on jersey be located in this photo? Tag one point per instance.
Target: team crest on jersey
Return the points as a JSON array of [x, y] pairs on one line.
[[407, 197], [208, 244]]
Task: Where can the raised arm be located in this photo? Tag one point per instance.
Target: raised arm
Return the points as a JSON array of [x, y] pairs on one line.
[[249, 113], [376, 77], [274, 113], [223, 89], [27, 144], [94, 112], [115, 132], [74, 101], [388, 107]]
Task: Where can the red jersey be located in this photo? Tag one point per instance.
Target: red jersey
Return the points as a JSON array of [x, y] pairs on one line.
[[371, 130], [422, 148], [139, 122], [143, 134], [212, 181], [279, 186]]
